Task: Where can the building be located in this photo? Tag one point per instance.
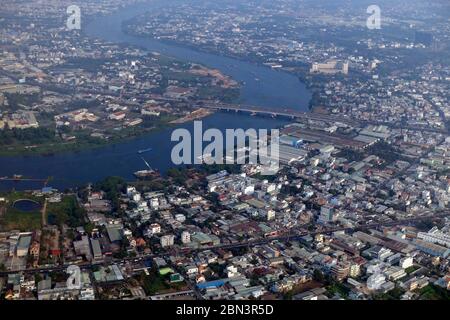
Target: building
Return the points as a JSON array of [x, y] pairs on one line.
[[355, 270], [432, 249], [340, 271], [20, 120], [167, 240], [434, 235], [406, 262], [133, 122], [23, 246], [110, 274], [96, 250], [375, 281], [83, 248], [330, 67], [185, 237], [326, 214], [115, 232], [270, 214], [395, 273], [153, 229], [120, 115]]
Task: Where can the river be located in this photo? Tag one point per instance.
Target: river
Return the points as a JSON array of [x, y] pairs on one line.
[[273, 89]]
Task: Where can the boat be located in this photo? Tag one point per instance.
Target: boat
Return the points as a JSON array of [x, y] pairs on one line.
[[143, 174], [148, 173], [144, 150]]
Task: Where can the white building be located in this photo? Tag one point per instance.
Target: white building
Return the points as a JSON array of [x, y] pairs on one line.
[[155, 228], [154, 203], [406, 262], [270, 214], [136, 197], [375, 281], [435, 236], [152, 230], [180, 217], [232, 271], [185, 237], [167, 240]]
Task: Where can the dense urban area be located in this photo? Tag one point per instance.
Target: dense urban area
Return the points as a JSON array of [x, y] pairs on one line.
[[59, 90], [359, 209]]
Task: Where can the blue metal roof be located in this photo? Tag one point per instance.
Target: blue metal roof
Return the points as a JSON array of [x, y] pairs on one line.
[[211, 284]]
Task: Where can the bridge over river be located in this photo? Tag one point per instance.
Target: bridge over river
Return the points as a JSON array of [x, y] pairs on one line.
[[280, 112]]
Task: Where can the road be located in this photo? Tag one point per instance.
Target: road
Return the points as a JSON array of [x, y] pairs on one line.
[[293, 114], [283, 238], [44, 213]]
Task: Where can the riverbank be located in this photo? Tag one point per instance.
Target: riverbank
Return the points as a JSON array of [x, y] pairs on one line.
[[273, 89], [72, 169], [50, 149], [302, 77], [261, 85], [194, 115]]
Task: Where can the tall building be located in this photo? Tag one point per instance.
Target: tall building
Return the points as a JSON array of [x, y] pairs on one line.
[[327, 214], [340, 271], [185, 237], [355, 270], [167, 240], [330, 67], [270, 215], [23, 246], [375, 281]]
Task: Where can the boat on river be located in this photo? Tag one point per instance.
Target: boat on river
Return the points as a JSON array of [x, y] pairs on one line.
[[144, 150]]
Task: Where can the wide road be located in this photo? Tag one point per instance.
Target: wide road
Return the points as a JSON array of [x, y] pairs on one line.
[[283, 238], [295, 114]]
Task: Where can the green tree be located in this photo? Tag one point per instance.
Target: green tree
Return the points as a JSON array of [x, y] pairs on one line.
[[318, 275]]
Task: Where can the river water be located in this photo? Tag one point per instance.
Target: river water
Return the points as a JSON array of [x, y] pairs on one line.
[[273, 89]]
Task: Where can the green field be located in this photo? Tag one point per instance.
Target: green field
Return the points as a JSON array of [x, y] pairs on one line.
[[155, 283], [433, 292], [23, 221], [66, 212], [13, 219]]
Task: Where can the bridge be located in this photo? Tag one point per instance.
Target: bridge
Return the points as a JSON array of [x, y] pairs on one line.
[[295, 114], [279, 112]]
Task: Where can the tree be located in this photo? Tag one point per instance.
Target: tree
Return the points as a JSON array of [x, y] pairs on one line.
[[318, 275], [37, 277], [112, 186], [88, 227]]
